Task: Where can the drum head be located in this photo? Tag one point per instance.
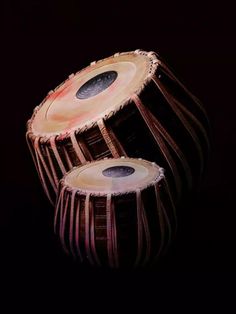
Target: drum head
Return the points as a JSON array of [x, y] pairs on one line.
[[93, 93], [113, 176]]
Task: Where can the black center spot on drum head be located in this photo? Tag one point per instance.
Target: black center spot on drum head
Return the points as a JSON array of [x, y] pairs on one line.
[[118, 171], [96, 85]]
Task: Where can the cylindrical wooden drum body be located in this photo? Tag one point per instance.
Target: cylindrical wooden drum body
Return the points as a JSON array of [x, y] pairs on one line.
[[129, 104], [115, 212]]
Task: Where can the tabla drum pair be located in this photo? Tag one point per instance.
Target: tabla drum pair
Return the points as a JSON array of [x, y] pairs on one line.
[[129, 104]]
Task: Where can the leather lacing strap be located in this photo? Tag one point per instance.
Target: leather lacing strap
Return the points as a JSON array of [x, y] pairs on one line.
[[56, 154], [112, 249], [85, 150], [71, 228], [139, 227], [64, 210], [39, 158], [142, 229], [69, 163], [109, 237], [149, 122], [166, 229], [147, 236], [38, 167], [31, 151], [114, 234], [77, 148], [173, 104], [87, 229], [176, 149], [169, 230], [117, 143], [92, 235], [52, 167], [173, 207], [90, 246], [173, 77], [58, 205], [195, 121], [107, 138], [77, 230], [161, 220]]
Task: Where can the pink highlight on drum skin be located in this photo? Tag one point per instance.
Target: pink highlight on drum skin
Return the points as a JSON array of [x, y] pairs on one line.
[[61, 92], [57, 117]]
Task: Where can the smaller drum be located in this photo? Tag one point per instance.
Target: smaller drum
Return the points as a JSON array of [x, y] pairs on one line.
[[115, 212]]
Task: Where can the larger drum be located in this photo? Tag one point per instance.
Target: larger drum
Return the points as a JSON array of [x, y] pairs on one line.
[[129, 104], [115, 212]]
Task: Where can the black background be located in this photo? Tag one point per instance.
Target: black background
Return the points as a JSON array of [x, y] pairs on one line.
[[42, 43]]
